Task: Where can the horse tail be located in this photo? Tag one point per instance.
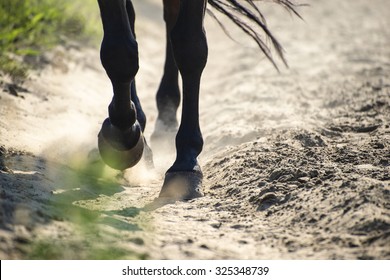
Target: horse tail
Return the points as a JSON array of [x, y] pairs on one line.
[[248, 17]]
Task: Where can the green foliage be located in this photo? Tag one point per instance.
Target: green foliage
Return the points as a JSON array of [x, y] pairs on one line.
[[16, 70], [29, 27], [88, 237]]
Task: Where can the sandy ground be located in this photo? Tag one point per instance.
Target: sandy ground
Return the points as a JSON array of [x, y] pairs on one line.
[[296, 164]]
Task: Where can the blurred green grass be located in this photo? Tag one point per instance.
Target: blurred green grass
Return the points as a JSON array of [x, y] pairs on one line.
[[31, 27], [92, 232]]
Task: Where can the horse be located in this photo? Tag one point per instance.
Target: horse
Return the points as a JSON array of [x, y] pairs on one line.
[[120, 141]]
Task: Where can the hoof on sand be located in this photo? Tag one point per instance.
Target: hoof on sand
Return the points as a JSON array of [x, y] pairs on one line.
[[182, 186], [178, 186]]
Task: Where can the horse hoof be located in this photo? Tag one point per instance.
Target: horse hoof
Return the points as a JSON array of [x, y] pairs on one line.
[[120, 149], [181, 186]]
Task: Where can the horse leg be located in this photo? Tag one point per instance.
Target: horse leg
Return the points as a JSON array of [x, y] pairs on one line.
[[121, 142], [134, 97], [185, 20], [168, 95], [141, 117]]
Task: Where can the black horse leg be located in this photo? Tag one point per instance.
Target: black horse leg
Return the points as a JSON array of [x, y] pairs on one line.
[[148, 155], [134, 97], [120, 140], [168, 95], [189, 45]]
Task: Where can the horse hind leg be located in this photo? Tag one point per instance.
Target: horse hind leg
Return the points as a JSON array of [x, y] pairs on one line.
[[168, 93], [120, 140]]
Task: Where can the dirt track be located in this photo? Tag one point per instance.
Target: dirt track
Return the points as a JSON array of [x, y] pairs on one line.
[[297, 164]]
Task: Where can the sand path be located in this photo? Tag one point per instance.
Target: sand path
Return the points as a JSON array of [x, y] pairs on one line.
[[296, 164]]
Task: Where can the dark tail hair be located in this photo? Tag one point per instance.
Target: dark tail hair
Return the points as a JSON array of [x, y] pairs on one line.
[[250, 19]]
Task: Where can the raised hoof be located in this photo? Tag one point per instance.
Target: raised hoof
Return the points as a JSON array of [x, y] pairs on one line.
[[181, 186], [120, 149]]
